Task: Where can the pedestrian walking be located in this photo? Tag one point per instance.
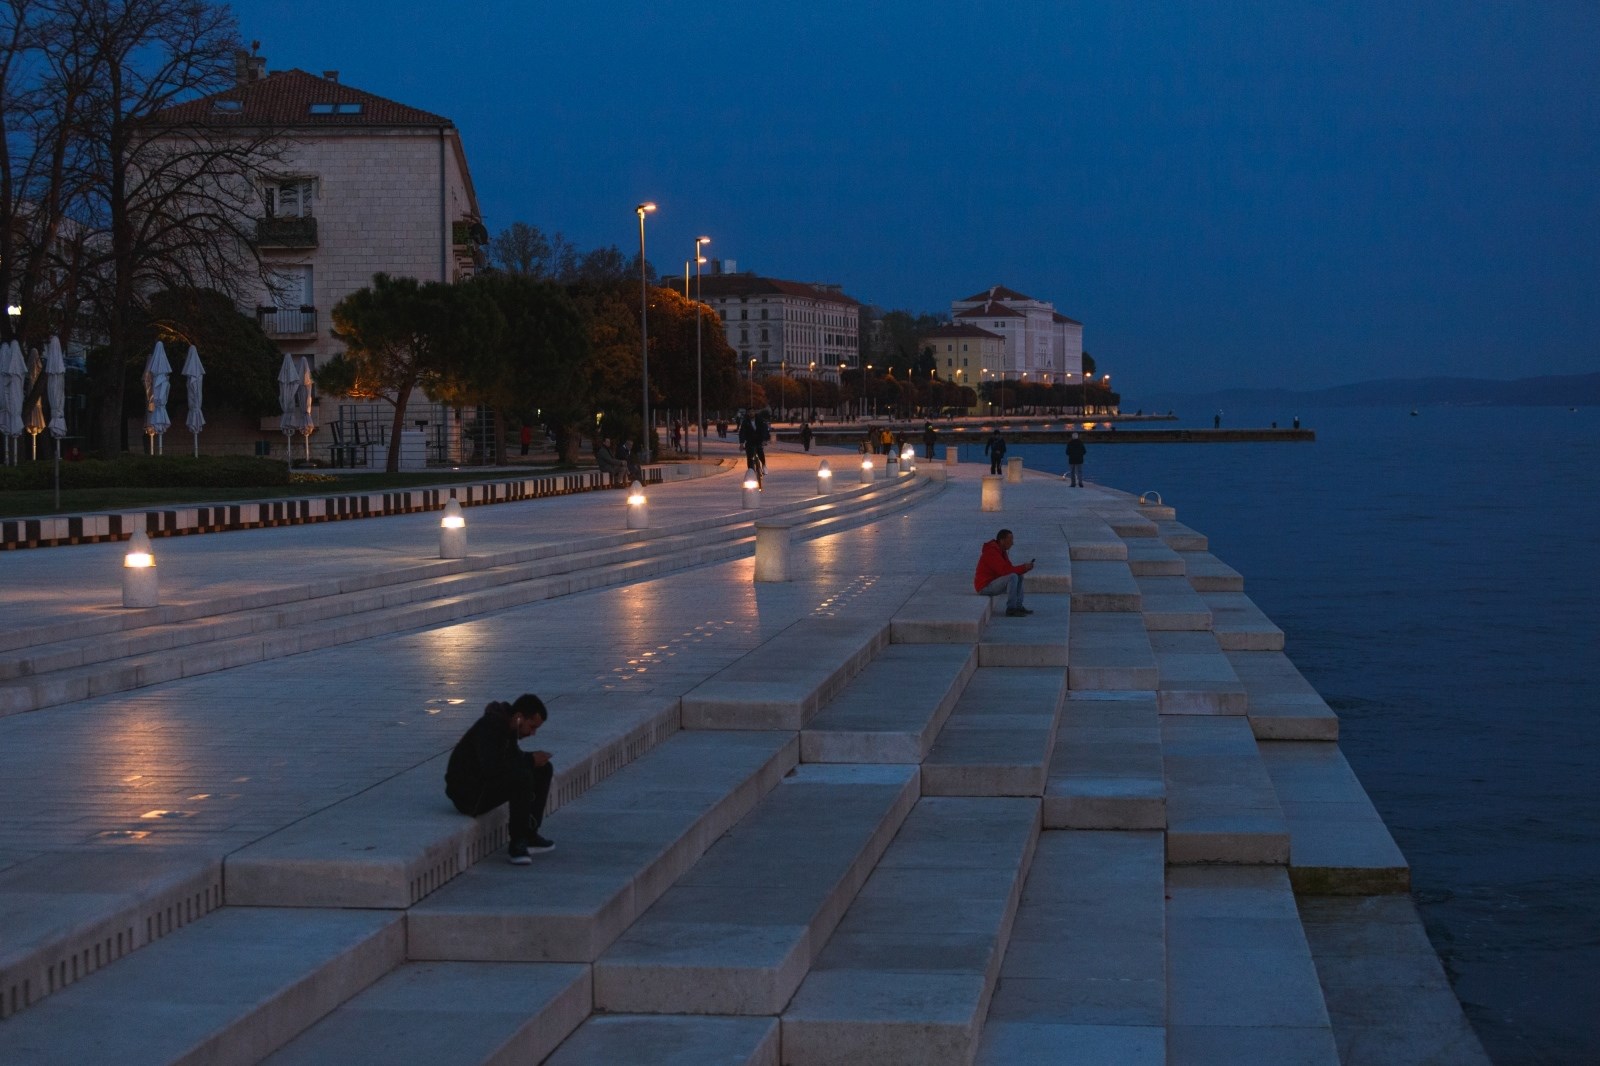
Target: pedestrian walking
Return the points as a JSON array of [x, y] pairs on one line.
[[1075, 453], [995, 449]]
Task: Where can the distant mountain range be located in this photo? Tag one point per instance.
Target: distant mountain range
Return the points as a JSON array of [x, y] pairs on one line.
[[1569, 390]]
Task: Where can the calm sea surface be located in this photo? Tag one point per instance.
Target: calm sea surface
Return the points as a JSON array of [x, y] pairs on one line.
[[1438, 578]]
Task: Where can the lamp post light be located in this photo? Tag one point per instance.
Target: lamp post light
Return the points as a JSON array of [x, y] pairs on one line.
[[811, 376], [752, 388], [824, 478], [139, 582], [638, 507], [699, 373], [644, 332], [452, 531], [1084, 410]]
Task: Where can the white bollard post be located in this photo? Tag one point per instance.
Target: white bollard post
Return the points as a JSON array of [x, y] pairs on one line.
[[938, 472], [1014, 469], [891, 467], [908, 459], [772, 550], [824, 478], [638, 507], [752, 492], [139, 586], [866, 470], [991, 492], [952, 455], [452, 531]]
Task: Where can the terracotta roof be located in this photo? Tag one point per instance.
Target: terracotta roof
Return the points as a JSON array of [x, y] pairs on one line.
[[991, 310], [999, 292], [717, 286], [962, 329], [1059, 317], [285, 98]]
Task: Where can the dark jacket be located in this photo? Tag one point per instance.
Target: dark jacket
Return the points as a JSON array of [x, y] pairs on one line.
[[995, 445], [1075, 451], [486, 752]]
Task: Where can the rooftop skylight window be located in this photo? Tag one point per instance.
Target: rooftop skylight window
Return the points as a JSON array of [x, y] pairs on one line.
[[229, 107], [336, 109]]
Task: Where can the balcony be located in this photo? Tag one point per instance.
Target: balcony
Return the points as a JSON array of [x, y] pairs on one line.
[[287, 321], [295, 231]]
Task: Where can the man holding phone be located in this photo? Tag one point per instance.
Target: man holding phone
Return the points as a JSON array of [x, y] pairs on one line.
[[997, 574]]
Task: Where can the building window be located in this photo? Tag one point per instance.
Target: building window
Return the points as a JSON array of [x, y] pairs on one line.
[[336, 109], [744, 315], [763, 314], [763, 334], [290, 199]]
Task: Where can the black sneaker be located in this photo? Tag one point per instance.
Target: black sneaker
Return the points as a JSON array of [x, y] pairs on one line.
[[1017, 612], [518, 854], [539, 845]]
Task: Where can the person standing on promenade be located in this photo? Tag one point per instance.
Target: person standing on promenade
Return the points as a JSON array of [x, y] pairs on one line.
[[995, 449], [805, 435], [488, 767], [997, 574], [1075, 453], [526, 437], [930, 437]]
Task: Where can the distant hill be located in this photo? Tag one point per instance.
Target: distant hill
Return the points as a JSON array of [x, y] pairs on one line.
[[1569, 390]]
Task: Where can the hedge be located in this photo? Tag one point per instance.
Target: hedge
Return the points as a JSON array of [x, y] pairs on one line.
[[147, 471]]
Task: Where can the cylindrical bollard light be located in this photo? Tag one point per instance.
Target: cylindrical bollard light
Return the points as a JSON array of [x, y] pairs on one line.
[[139, 587], [752, 492], [1014, 469], [824, 478], [866, 470], [991, 492], [891, 467], [772, 551], [638, 507], [908, 459], [452, 531], [952, 455]]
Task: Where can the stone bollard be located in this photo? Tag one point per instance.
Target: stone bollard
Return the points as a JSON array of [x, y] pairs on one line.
[[952, 455], [866, 470], [991, 492], [752, 492], [139, 583], [638, 508], [452, 531], [937, 472], [891, 467], [1014, 469], [772, 550], [824, 478]]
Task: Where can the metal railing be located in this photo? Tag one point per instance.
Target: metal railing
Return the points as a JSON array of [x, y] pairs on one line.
[[287, 321], [297, 231]]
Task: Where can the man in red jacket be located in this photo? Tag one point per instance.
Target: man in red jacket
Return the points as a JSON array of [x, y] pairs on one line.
[[997, 573]]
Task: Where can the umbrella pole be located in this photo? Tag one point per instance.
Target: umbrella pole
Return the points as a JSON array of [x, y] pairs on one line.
[[196, 437], [58, 473]]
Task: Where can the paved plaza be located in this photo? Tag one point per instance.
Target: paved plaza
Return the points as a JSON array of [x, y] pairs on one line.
[[853, 816]]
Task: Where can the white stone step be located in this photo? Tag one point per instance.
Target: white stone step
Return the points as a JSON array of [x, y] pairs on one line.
[[1282, 703], [1149, 557], [738, 932], [66, 914], [1171, 603], [619, 846], [1207, 573], [1084, 979], [450, 1014], [1195, 675], [1125, 518], [1338, 845], [892, 710], [1181, 538], [1040, 639], [1111, 652], [670, 1040], [396, 842], [1241, 984], [781, 684], [229, 989], [1103, 585], [1240, 625], [1107, 771], [1386, 993], [999, 738], [1090, 537], [907, 976], [944, 610], [1221, 806]]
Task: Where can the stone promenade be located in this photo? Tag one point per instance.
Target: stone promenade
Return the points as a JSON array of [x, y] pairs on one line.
[[857, 816]]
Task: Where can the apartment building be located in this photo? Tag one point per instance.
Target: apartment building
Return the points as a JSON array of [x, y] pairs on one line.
[[788, 327], [1040, 343], [965, 354]]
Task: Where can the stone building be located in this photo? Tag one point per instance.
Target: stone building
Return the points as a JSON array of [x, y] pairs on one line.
[[965, 354], [1041, 344], [788, 327]]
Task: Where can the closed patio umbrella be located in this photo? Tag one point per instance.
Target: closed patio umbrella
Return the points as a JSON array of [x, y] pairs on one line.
[[34, 423], [13, 372], [55, 387], [157, 386], [308, 422], [196, 419], [288, 402]]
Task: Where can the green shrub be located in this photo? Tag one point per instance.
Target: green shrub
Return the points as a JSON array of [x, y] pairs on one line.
[[150, 471]]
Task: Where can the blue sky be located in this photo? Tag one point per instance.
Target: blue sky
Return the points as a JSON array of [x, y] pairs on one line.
[[1223, 193]]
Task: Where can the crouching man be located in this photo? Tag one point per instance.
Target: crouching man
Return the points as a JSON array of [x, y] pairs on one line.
[[997, 575], [488, 767]]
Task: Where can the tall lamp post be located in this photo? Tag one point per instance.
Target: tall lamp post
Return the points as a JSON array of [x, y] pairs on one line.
[[752, 388], [1084, 410], [810, 377], [699, 374], [644, 330]]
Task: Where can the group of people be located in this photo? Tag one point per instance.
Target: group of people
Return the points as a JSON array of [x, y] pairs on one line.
[[995, 449], [622, 465]]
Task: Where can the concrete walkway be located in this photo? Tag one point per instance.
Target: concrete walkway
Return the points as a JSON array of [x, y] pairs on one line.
[[286, 790]]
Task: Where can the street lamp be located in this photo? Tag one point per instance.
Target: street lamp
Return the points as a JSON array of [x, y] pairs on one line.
[[752, 388], [644, 331], [810, 377], [699, 374]]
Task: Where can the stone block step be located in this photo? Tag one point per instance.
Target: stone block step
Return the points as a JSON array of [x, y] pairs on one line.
[[449, 1013], [907, 976], [1221, 806], [1103, 585], [1171, 603], [782, 683], [1338, 845], [1111, 652], [1282, 703], [1181, 538], [1241, 984], [1195, 675], [1125, 519], [1386, 993], [1106, 771], [1091, 538], [893, 709], [944, 610], [1042, 639], [1239, 623], [1149, 557], [670, 1040], [1207, 573], [66, 914], [618, 848], [737, 933], [396, 842], [229, 989], [1084, 979], [998, 740]]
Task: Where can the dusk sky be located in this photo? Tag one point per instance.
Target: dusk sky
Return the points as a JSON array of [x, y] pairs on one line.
[[1261, 194]]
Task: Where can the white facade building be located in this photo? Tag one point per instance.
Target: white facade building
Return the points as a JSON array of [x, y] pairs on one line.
[[1041, 344], [788, 327]]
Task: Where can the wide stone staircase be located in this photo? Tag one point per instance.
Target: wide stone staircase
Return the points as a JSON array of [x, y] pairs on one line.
[[1119, 830]]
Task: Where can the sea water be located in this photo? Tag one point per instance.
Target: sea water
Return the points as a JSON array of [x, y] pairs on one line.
[[1437, 576]]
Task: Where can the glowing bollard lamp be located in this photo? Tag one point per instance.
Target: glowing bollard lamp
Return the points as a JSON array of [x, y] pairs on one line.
[[752, 492], [866, 471], [908, 459], [891, 466], [991, 492], [824, 478], [139, 573], [452, 531], [638, 507]]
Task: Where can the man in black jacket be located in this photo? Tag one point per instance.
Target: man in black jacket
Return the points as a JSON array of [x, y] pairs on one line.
[[488, 767], [1075, 452]]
